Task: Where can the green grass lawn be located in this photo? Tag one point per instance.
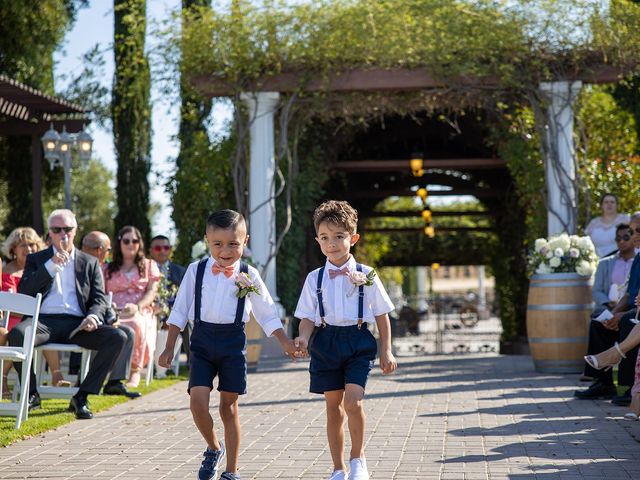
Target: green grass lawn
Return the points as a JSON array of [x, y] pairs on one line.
[[54, 411]]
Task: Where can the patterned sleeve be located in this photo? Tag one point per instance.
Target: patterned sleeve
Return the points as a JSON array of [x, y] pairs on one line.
[[153, 272]]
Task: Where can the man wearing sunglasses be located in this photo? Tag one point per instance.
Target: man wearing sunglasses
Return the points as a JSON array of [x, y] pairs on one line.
[[72, 309], [160, 250], [611, 277]]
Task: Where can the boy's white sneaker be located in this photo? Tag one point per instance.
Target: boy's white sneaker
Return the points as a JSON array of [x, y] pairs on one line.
[[338, 475], [358, 469]]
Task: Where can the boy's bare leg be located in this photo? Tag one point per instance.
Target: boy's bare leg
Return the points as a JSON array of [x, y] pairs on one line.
[[354, 406], [231, 421], [199, 404], [335, 427]]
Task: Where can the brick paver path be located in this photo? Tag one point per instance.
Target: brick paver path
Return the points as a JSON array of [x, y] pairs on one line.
[[447, 417]]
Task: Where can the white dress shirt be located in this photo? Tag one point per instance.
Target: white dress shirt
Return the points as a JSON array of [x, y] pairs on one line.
[[219, 299], [62, 298], [339, 298]]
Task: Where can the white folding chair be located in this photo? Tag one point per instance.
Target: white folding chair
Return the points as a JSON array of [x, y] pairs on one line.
[[25, 305]]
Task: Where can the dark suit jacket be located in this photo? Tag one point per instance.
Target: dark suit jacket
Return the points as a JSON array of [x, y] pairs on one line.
[[89, 282], [176, 272]]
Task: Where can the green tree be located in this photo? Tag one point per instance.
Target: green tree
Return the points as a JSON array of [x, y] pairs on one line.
[[131, 115], [30, 31]]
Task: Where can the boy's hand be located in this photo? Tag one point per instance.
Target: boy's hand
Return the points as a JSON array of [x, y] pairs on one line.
[[388, 362], [302, 346], [166, 357], [289, 348]]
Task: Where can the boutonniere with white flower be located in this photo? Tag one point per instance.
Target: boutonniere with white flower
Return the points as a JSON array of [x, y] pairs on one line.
[[245, 285], [358, 279]]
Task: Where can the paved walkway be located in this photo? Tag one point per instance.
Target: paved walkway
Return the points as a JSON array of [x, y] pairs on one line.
[[447, 417]]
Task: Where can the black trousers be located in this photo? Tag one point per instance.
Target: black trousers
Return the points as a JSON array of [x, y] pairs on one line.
[[600, 339], [106, 340]]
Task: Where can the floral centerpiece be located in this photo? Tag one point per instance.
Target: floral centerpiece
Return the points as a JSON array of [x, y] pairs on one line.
[[563, 254]]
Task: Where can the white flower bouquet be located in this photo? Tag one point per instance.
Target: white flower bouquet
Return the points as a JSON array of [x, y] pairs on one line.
[[563, 254], [199, 250]]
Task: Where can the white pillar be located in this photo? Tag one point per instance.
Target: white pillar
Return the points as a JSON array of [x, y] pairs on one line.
[[560, 176], [262, 204], [421, 288], [482, 293]]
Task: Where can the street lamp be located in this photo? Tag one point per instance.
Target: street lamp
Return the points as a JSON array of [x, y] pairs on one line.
[[57, 150]]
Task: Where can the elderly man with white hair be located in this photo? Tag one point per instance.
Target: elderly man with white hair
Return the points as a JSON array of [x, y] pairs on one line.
[[73, 307]]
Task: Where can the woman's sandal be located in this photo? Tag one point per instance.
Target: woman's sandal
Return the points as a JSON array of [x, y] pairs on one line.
[[592, 360], [631, 416]]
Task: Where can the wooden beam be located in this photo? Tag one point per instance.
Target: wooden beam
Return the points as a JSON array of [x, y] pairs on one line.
[[381, 79], [435, 213], [437, 229], [402, 165], [381, 194]]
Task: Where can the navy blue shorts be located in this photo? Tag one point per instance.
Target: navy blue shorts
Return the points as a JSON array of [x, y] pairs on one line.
[[341, 355], [218, 350]]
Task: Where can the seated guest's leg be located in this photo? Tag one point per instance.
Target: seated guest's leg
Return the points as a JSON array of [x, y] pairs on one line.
[[16, 339], [627, 367], [600, 338], [120, 368], [108, 342], [616, 353], [53, 360]]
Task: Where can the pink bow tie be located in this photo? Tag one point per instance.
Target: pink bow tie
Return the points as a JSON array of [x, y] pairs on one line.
[[216, 269], [334, 272]]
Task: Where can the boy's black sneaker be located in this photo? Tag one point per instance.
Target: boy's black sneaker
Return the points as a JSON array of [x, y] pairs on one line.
[[211, 462]]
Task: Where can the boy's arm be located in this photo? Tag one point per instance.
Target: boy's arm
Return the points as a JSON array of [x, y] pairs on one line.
[[305, 329], [388, 362], [166, 357]]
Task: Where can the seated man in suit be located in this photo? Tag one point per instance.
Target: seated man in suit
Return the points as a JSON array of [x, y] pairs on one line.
[[160, 250], [98, 244], [73, 307], [611, 275]]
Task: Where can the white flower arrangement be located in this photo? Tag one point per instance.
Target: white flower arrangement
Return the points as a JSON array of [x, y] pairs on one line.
[[199, 250], [563, 254]]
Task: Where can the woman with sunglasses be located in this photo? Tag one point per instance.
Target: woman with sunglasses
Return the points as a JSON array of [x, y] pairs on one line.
[[602, 229], [133, 280]]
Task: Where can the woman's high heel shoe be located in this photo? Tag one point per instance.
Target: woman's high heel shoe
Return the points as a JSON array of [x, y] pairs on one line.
[[592, 360]]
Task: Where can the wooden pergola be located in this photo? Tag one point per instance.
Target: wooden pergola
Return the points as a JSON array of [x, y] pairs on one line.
[[25, 111]]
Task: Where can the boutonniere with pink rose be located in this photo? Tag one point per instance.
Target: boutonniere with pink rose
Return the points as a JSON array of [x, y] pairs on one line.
[[245, 285], [358, 279]]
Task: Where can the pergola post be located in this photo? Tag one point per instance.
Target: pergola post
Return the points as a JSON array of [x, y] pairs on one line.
[[262, 203], [560, 165]]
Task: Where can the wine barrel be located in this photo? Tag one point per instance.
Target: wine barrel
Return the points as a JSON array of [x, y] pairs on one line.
[[558, 315], [254, 343]]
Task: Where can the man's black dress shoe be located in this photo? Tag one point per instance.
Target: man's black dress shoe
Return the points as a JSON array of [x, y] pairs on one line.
[[119, 389], [34, 401], [623, 400], [596, 390], [80, 408]]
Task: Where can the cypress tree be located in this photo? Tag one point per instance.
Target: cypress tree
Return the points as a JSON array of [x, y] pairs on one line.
[[131, 114]]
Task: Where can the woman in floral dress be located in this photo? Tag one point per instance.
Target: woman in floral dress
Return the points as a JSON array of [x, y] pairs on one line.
[[133, 280]]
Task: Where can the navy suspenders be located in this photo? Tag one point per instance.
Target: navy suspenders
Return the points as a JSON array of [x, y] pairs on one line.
[[244, 268], [321, 305]]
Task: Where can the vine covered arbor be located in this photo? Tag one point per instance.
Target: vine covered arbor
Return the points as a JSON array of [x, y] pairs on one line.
[[332, 100]]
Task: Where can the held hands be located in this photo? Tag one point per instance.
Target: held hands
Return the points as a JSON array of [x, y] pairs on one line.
[[129, 310], [388, 362], [290, 349], [302, 347]]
